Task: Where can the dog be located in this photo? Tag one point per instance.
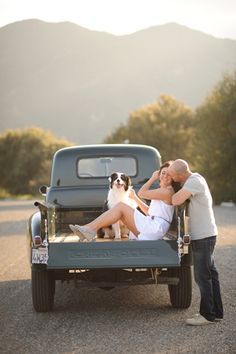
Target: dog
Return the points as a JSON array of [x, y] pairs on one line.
[[119, 189]]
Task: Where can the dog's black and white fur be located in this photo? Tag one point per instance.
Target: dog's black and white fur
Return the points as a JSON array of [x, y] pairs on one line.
[[119, 189]]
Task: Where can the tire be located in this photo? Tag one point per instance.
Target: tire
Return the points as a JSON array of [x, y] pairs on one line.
[[43, 290], [181, 294]]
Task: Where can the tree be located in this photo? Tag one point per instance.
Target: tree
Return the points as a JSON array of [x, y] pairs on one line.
[[166, 125], [215, 147], [25, 159]]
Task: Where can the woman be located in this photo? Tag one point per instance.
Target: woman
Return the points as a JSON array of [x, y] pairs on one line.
[[151, 226]]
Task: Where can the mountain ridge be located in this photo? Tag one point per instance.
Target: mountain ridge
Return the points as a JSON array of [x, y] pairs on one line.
[[81, 84]]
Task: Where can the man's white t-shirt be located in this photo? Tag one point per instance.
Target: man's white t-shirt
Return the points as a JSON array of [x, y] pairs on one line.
[[201, 217]]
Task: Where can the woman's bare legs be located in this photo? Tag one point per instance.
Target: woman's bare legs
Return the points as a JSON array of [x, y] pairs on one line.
[[121, 212]]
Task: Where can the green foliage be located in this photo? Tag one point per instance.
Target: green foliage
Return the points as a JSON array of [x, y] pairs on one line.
[[215, 147], [166, 125], [206, 138], [25, 159]]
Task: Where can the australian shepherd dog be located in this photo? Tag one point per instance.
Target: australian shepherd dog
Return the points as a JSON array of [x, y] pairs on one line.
[[119, 189]]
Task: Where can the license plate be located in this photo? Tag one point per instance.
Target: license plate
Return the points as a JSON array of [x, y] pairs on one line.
[[40, 255]]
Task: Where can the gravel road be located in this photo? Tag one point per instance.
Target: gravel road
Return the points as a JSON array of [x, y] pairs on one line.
[[129, 320]]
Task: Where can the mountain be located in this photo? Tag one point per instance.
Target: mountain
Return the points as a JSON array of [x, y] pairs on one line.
[[82, 84]]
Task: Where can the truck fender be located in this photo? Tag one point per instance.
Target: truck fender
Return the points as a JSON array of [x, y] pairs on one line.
[[34, 229]]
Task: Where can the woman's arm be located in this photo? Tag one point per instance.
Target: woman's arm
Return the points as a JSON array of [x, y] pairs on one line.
[[164, 194], [143, 206]]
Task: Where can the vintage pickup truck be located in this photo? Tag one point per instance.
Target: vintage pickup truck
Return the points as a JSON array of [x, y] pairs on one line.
[[76, 194]]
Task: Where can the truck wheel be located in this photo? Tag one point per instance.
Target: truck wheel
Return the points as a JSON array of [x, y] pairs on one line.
[[43, 290], [181, 294]]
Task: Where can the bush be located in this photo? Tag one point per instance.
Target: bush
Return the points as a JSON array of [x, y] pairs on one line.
[[25, 159]]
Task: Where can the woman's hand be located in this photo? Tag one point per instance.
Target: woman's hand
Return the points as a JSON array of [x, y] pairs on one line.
[[155, 175], [132, 194], [143, 206]]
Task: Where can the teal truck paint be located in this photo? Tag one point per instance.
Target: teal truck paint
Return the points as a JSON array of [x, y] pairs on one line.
[[76, 194]]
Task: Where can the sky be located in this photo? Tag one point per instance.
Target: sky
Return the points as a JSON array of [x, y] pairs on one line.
[[119, 17]]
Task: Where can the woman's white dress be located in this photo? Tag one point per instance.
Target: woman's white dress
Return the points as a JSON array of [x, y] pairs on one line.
[[156, 224]]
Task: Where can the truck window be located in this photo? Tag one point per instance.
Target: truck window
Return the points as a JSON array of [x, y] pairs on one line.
[[104, 166]]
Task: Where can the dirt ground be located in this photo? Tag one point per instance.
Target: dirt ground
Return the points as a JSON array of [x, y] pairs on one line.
[[128, 320]]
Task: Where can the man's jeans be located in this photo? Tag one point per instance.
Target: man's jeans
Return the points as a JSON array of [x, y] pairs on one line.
[[207, 278]]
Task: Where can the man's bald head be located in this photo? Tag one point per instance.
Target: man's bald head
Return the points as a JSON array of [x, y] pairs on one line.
[[179, 170], [180, 166]]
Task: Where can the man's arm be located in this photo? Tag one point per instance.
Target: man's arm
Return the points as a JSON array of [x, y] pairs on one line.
[[180, 197]]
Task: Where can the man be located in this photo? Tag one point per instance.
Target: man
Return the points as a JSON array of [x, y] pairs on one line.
[[203, 231]]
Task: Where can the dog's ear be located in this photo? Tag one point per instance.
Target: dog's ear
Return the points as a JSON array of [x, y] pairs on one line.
[[111, 178], [128, 182]]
